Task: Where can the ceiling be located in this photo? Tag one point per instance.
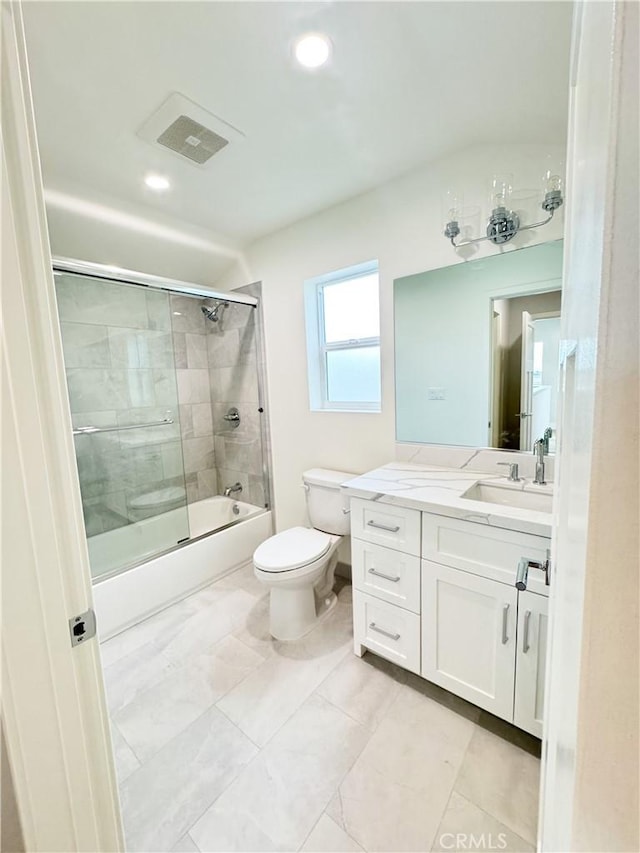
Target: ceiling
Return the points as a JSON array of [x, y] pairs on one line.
[[408, 82]]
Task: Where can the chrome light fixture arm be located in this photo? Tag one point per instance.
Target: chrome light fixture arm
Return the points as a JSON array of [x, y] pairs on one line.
[[504, 224]]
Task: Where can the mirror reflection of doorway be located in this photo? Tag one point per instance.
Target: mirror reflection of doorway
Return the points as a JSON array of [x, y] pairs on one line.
[[525, 354]]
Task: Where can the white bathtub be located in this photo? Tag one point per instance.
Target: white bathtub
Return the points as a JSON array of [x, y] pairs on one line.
[[126, 598]]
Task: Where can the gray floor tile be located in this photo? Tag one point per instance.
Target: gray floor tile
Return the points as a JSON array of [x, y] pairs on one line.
[[285, 789], [465, 826], [327, 837], [161, 800], [166, 709], [396, 793], [503, 780]]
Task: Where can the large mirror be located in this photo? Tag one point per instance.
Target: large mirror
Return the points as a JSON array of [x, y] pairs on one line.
[[477, 351]]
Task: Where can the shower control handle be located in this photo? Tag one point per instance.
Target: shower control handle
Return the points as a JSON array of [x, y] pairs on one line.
[[232, 417]]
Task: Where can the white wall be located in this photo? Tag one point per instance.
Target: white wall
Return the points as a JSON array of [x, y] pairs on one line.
[[400, 224]]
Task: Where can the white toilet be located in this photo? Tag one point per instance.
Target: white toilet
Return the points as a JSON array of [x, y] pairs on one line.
[[298, 565]]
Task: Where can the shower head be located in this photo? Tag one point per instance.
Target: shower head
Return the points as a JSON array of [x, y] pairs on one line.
[[215, 313]]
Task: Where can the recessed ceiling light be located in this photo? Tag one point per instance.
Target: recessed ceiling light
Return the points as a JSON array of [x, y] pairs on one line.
[[157, 182], [312, 50]]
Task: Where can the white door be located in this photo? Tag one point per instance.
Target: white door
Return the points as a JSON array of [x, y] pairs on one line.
[[531, 658], [526, 382], [469, 636], [54, 713]]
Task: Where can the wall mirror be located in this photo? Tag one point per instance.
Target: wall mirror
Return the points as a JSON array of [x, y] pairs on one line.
[[477, 350]]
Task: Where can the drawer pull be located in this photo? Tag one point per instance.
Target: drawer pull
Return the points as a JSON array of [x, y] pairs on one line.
[[505, 615], [525, 638], [382, 575], [374, 627], [383, 526]]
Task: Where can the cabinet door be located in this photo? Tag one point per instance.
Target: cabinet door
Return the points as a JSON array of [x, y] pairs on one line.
[[469, 636], [530, 662]]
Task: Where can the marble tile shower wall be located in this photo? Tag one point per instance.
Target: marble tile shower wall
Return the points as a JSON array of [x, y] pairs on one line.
[[190, 331], [233, 373], [119, 362]]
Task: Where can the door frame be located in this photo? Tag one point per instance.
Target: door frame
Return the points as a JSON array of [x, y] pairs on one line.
[[54, 711]]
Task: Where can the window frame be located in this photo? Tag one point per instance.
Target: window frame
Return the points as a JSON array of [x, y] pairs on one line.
[[318, 347]]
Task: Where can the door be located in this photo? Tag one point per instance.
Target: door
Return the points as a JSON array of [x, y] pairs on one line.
[[526, 382], [54, 713], [469, 636], [531, 657]]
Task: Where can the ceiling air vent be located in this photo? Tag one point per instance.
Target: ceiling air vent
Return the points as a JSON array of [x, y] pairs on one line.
[[189, 130], [192, 140]]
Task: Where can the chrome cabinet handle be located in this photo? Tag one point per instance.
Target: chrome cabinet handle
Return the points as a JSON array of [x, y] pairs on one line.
[[525, 637], [505, 616], [382, 575], [383, 526], [374, 627]]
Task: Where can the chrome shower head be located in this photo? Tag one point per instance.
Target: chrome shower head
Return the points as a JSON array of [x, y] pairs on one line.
[[215, 313]]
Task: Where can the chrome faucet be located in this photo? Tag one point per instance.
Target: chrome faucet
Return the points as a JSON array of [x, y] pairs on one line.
[[513, 471], [539, 450], [231, 489]]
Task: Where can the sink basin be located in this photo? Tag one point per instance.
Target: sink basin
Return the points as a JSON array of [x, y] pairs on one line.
[[504, 496]]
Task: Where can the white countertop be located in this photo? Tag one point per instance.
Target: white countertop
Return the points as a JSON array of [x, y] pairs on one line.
[[438, 490]]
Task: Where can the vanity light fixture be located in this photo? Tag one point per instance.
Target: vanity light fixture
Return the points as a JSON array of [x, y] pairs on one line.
[[503, 223], [312, 50], [157, 182]]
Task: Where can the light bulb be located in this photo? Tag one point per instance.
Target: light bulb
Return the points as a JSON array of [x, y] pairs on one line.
[[312, 50], [552, 182], [157, 182], [452, 204], [501, 189]]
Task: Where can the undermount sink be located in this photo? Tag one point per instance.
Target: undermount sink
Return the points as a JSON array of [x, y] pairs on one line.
[[504, 496]]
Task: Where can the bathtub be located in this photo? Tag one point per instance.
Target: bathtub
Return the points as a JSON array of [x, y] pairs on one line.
[[220, 541]]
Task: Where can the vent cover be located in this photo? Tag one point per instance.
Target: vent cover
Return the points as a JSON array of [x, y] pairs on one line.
[[192, 140], [188, 130]]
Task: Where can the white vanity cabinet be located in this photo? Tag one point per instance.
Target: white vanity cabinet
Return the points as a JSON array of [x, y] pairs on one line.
[[469, 636], [436, 595], [385, 567], [530, 661]]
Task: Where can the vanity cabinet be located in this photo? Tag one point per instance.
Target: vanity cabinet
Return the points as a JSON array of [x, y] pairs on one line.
[[469, 636], [530, 661], [385, 567], [437, 596]]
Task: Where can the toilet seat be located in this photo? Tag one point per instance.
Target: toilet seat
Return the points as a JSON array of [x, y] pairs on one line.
[[292, 549]]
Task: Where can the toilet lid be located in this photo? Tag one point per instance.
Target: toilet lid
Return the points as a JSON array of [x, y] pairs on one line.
[[291, 549], [159, 497]]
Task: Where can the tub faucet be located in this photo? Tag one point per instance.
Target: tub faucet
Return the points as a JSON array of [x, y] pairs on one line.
[[231, 489], [538, 450]]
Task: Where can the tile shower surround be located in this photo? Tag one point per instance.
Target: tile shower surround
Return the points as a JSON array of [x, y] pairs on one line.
[[120, 343]]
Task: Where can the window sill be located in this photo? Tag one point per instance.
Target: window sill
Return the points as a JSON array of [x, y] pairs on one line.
[[346, 411]]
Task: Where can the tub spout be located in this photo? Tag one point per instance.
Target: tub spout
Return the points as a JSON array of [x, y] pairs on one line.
[[237, 487]]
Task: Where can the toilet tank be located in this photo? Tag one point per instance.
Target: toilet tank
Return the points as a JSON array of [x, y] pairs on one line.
[[325, 500]]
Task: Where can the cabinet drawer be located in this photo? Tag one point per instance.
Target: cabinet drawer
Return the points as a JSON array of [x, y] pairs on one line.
[[392, 526], [482, 550], [389, 631], [387, 574]]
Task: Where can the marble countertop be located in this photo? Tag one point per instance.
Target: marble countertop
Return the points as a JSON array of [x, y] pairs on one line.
[[439, 490]]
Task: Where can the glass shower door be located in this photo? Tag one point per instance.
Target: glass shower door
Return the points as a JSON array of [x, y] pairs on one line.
[[121, 376]]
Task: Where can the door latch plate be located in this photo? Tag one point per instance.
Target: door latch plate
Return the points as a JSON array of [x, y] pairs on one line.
[[82, 627]]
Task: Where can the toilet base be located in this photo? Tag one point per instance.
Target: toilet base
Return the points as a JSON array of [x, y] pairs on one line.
[[293, 613]]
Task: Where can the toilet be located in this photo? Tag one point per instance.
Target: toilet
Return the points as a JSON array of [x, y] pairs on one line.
[[156, 502], [298, 565]]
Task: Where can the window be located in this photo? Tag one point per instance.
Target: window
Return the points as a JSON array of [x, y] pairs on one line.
[[343, 340]]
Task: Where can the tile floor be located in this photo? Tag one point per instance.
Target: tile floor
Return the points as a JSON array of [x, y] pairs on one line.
[[227, 740]]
